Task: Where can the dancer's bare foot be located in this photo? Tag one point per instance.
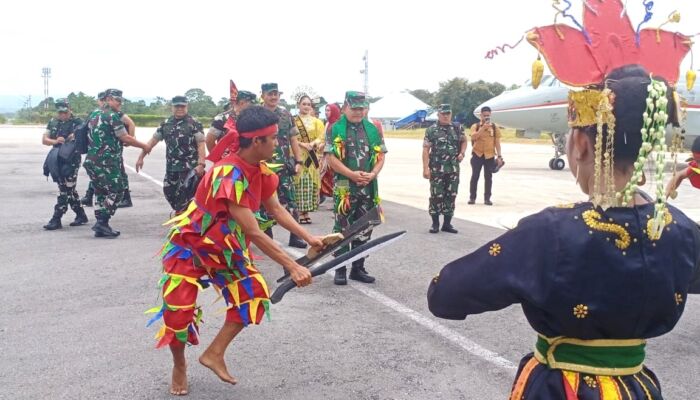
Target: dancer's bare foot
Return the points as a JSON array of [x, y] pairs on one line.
[[179, 385], [218, 366]]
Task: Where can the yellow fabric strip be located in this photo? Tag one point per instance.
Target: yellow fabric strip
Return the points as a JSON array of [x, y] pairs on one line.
[[573, 379], [608, 388]]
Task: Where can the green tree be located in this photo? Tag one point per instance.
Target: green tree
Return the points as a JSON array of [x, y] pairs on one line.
[[425, 96], [81, 104], [201, 104], [465, 97]]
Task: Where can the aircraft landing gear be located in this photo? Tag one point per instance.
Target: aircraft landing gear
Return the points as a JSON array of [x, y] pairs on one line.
[[559, 142], [557, 164]]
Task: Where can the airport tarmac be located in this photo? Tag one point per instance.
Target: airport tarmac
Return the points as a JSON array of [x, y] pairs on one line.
[[74, 328]]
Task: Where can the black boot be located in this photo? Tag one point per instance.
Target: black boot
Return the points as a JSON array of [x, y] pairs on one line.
[[487, 201], [436, 223], [126, 200], [295, 241], [87, 200], [340, 276], [358, 272], [447, 226], [102, 228], [80, 218], [55, 222]]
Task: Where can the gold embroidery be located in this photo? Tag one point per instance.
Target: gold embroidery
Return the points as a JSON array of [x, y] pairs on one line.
[[495, 249], [624, 386], [592, 219], [591, 382], [679, 299], [581, 311], [567, 205], [668, 218]]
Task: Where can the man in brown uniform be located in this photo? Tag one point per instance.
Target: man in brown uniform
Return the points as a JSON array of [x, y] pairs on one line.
[[486, 153]]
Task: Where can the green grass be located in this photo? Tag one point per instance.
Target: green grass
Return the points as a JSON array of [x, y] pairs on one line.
[[507, 136]]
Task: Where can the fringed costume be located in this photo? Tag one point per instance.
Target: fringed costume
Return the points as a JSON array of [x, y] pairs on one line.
[[206, 247]]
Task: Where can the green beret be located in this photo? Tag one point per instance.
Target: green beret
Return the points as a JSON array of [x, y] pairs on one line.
[[444, 109], [356, 99], [113, 93], [270, 87], [246, 95], [62, 105], [179, 101]]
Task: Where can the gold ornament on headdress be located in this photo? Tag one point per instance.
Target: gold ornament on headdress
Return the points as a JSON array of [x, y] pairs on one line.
[[302, 91]]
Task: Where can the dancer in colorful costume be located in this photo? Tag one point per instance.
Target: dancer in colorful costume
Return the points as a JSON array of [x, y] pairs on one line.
[[209, 244], [597, 278]]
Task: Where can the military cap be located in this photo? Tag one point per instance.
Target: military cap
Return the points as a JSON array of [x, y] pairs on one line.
[[179, 101], [270, 87], [113, 93], [62, 105], [101, 95], [356, 99], [246, 95], [444, 109]]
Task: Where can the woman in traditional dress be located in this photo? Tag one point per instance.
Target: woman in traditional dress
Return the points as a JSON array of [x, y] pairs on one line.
[[597, 278], [311, 141]]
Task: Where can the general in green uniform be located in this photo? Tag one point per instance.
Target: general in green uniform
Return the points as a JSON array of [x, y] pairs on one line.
[[355, 151]]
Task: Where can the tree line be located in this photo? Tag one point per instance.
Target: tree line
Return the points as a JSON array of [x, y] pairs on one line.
[[462, 95]]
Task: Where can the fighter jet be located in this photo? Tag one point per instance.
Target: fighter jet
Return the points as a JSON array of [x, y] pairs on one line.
[[532, 112]]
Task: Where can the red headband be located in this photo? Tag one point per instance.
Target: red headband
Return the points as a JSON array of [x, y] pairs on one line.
[[230, 143], [267, 131]]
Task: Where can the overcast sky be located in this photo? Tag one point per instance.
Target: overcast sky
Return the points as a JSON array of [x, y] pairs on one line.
[[162, 48]]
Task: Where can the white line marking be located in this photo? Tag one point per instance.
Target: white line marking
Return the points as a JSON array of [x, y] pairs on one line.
[[435, 327], [145, 175]]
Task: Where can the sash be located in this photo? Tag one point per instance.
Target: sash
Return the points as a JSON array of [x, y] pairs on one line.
[[305, 138]]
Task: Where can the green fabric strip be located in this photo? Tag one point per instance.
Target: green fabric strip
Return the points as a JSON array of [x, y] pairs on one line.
[[595, 356]]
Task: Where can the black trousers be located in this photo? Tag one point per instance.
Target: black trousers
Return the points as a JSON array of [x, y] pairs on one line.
[[488, 165]]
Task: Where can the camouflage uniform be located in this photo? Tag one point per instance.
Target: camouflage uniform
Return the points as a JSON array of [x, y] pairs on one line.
[[353, 201], [444, 142], [284, 155], [217, 125], [181, 138], [67, 182], [103, 162]]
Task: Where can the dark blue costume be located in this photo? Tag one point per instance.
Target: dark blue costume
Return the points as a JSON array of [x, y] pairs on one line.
[[593, 284]]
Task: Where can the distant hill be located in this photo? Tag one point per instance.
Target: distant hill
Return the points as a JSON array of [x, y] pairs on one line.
[[9, 103]]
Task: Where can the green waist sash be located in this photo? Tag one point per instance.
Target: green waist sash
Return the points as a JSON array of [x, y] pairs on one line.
[[610, 357]]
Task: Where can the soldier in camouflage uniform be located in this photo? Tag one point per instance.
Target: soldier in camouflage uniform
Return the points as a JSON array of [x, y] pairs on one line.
[[287, 154], [184, 151], [355, 150], [61, 130], [444, 147], [104, 158], [217, 129], [131, 130]]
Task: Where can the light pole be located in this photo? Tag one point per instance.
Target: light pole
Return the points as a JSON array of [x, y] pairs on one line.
[[46, 74], [365, 72]]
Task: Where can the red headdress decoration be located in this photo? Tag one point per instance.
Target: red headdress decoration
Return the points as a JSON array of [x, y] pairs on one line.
[[607, 41]]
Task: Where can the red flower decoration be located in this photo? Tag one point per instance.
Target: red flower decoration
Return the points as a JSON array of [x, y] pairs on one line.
[[575, 62]]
